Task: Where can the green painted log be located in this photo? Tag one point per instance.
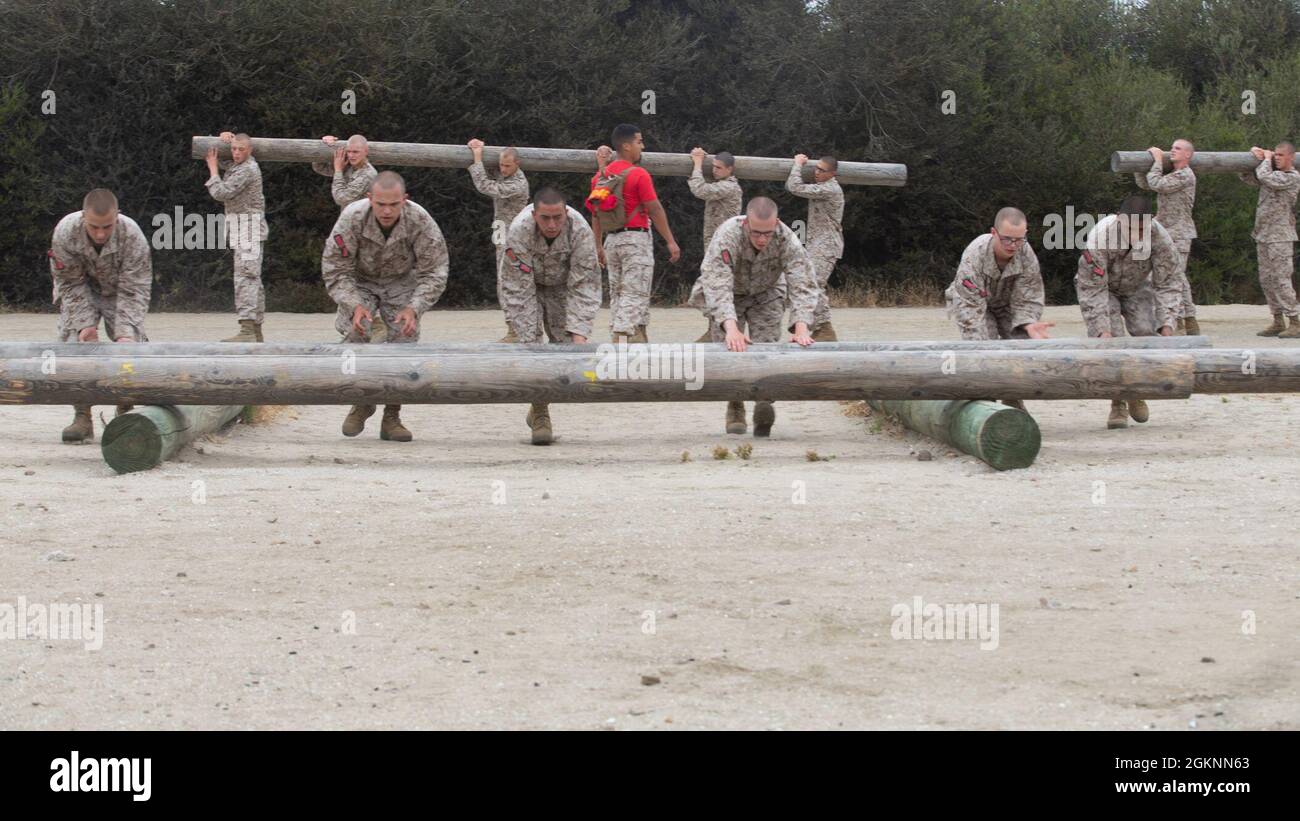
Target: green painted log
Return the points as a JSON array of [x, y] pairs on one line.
[[148, 436], [1003, 437]]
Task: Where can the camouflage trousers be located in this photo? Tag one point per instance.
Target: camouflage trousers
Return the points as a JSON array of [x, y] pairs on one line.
[[544, 317], [1184, 251], [106, 310], [501, 255], [760, 315], [250, 298], [1276, 267], [1135, 314], [384, 300], [630, 259], [823, 266], [997, 321]]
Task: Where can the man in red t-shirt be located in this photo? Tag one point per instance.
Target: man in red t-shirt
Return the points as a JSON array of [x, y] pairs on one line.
[[628, 252]]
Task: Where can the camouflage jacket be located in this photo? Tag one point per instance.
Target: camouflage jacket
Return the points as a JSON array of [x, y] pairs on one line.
[[358, 251]]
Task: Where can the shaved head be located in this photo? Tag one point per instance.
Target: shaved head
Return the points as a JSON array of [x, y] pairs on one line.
[[389, 181], [387, 197], [761, 208], [1009, 216], [241, 147], [1284, 147], [761, 224], [358, 141], [508, 162], [100, 202], [548, 196], [99, 216]]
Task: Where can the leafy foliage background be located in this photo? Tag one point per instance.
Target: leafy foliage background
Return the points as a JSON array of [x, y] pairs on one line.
[[1045, 90]]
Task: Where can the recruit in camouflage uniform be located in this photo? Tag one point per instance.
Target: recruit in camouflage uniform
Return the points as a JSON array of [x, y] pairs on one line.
[[111, 285], [384, 275], [1176, 196], [825, 232], [1128, 289], [739, 282], [240, 190], [350, 183], [721, 198], [509, 195], [988, 302], [550, 286], [1274, 237]]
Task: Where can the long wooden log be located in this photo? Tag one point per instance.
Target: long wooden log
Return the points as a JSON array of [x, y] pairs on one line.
[[430, 155], [1203, 162], [1003, 437], [148, 436], [19, 350], [587, 377], [1251, 370]]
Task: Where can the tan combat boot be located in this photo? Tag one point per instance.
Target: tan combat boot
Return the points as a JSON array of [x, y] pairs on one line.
[[257, 330], [378, 331], [1275, 329], [1180, 327], [639, 335], [247, 332], [539, 419], [356, 419], [1293, 332], [736, 417], [824, 332], [1118, 415], [392, 429], [1138, 410], [764, 416], [1191, 326], [707, 336], [510, 334], [82, 428]]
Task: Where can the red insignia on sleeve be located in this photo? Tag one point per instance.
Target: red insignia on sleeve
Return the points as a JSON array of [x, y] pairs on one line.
[[510, 255], [524, 268], [58, 263], [726, 256], [343, 248], [1096, 269], [969, 284]]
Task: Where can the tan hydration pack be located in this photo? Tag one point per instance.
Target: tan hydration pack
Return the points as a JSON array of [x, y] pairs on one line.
[[607, 203]]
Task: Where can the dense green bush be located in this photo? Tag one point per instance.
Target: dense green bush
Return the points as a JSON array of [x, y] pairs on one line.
[[1044, 91]]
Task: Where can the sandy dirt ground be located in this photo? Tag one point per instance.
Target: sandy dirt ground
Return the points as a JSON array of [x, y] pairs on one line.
[[1144, 578]]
